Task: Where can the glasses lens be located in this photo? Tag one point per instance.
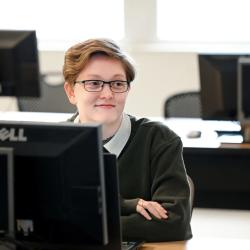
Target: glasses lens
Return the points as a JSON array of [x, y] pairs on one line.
[[119, 86], [93, 85]]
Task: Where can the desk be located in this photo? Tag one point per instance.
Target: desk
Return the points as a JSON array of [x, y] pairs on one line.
[[220, 171], [221, 175], [181, 245], [200, 244]]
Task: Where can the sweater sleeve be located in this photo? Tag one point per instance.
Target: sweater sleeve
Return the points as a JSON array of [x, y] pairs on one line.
[[128, 206], [170, 188]]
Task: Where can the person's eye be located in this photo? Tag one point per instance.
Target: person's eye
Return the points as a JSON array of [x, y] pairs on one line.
[[119, 84], [95, 83]]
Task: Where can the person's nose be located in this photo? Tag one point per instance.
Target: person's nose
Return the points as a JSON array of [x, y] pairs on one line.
[[106, 91]]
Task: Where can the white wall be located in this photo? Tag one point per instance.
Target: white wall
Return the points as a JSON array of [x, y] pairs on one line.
[[160, 75]]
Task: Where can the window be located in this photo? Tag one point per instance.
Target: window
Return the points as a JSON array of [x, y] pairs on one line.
[[59, 24], [213, 23]]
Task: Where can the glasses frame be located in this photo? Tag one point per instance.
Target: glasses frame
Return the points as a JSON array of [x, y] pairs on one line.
[[102, 86]]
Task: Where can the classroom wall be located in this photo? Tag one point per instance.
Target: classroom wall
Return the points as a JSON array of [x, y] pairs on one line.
[[160, 75]]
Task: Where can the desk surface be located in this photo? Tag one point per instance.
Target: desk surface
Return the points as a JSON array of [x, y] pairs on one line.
[[200, 244], [235, 145]]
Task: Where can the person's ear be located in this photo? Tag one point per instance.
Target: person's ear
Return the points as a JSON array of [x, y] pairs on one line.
[[70, 92]]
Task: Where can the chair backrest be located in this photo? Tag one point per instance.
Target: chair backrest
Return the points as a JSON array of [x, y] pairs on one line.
[[53, 99], [184, 104]]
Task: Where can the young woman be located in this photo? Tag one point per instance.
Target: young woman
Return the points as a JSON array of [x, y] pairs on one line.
[[153, 182]]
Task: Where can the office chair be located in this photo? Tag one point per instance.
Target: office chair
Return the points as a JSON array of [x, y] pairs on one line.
[[53, 98], [184, 104]]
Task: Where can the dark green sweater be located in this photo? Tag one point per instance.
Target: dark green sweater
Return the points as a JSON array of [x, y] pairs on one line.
[[151, 167]]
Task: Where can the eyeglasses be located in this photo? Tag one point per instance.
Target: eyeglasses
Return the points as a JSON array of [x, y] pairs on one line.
[[116, 86]]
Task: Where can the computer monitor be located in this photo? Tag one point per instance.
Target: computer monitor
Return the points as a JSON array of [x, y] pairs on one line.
[[244, 89], [218, 85], [19, 66], [243, 96], [59, 184], [112, 202]]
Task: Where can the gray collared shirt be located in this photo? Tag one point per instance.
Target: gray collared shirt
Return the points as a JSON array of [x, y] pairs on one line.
[[119, 140]]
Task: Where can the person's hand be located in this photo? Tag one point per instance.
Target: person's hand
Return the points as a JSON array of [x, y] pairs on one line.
[[148, 208]]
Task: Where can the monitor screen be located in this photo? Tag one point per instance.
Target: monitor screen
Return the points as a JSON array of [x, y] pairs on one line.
[[59, 184], [218, 85], [19, 66]]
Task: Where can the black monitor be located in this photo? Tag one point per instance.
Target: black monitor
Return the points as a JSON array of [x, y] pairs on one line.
[[19, 66], [112, 202], [244, 89], [218, 85], [59, 184]]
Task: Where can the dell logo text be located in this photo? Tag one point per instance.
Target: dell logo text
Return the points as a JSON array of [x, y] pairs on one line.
[[12, 134]]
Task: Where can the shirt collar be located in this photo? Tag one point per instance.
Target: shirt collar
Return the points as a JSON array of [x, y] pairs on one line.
[[119, 140]]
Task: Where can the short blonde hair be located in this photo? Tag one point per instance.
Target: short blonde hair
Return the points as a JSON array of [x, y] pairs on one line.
[[78, 56]]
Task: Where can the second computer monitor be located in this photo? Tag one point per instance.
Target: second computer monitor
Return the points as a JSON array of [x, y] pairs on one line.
[[218, 84], [19, 63]]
